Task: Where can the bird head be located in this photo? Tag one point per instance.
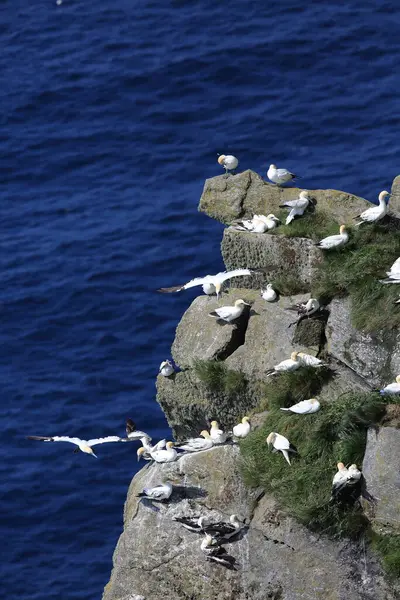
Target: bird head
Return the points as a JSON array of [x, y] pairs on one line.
[[304, 194], [294, 355], [233, 519], [241, 302], [205, 434], [272, 166], [398, 379], [140, 453], [214, 424], [221, 159], [217, 286], [209, 538], [384, 196], [340, 466], [169, 445], [342, 229], [313, 400], [273, 217], [271, 438], [245, 419]]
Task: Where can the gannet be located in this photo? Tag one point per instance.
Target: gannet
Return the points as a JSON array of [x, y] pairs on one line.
[[83, 445], [310, 361], [339, 479], [159, 492], [146, 448], [348, 485], [217, 435], [269, 294], [306, 308], [229, 313], [197, 444], [213, 551], [243, 429], [305, 407], [375, 213], [334, 241], [193, 524], [166, 368], [223, 531], [280, 443], [161, 456], [279, 176], [258, 224], [228, 161], [211, 283], [393, 273], [133, 434], [297, 207], [391, 389], [291, 364]]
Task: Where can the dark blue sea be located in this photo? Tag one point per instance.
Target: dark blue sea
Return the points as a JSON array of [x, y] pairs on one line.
[[112, 115]]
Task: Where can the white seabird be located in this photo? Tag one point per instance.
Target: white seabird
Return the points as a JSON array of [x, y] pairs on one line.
[[297, 207], [217, 435], [305, 407], [166, 368], [375, 213], [211, 283], [392, 389], [83, 445], [214, 552], [348, 485], [228, 161], [279, 176], [258, 224], [159, 492], [223, 531], [243, 429], [280, 443], [339, 479], [269, 294], [291, 364], [306, 309], [334, 241], [133, 434], [393, 275], [169, 454], [308, 360], [193, 524], [229, 313], [146, 449], [197, 444]]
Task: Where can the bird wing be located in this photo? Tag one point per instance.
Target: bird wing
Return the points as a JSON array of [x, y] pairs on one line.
[[130, 426], [56, 438], [220, 528], [283, 172], [281, 443], [190, 521], [370, 214], [104, 440], [309, 360], [302, 407], [394, 269], [155, 492], [224, 311], [235, 273], [331, 240]]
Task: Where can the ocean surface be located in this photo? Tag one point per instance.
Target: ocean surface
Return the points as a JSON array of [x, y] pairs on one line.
[[112, 115]]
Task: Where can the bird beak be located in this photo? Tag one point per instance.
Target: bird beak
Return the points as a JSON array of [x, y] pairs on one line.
[[247, 303], [93, 454]]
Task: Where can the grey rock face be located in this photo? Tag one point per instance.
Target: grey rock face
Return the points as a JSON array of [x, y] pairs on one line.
[[277, 558], [394, 203], [376, 357], [381, 468]]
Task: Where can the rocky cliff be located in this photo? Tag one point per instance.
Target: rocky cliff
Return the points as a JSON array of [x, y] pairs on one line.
[[223, 375]]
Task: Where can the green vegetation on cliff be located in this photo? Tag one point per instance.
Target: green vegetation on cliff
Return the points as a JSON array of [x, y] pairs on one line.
[[216, 376], [388, 546]]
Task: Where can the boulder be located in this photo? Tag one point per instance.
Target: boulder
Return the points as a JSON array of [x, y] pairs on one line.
[[276, 558], [246, 194], [382, 474], [394, 202], [375, 357]]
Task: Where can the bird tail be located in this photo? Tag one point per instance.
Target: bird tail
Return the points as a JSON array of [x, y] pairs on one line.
[[289, 219], [284, 409], [286, 455], [388, 280], [213, 314]]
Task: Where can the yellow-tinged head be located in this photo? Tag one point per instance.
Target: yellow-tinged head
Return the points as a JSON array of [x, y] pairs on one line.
[[214, 425], [342, 229], [140, 452], [398, 379], [313, 400], [294, 355], [383, 195], [353, 467], [209, 538], [272, 166], [217, 286], [221, 159], [169, 445], [245, 419], [304, 194], [205, 434], [271, 438], [340, 466], [241, 302]]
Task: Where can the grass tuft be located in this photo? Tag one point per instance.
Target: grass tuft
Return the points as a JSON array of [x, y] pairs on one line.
[[336, 433], [388, 547], [218, 378], [355, 270], [314, 225]]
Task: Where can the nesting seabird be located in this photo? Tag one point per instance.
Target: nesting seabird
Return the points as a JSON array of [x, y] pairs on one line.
[[217, 435], [334, 241], [291, 364], [146, 448], [243, 429], [305, 309], [166, 368], [211, 283], [280, 443], [297, 207], [393, 275], [193, 524], [258, 224], [169, 454], [375, 213], [83, 445], [279, 176], [197, 444], [158, 493], [228, 161], [308, 360], [348, 485], [269, 294], [229, 313], [223, 531], [392, 389], [305, 407], [216, 553]]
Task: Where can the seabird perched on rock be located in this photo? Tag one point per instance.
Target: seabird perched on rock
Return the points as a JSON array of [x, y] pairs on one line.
[[229, 313], [223, 531], [158, 493], [146, 448], [308, 360], [193, 524], [214, 552], [217, 435], [133, 434], [305, 309], [258, 224], [166, 368], [291, 364], [169, 454], [211, 283], [393, 275], [280, 443], [279, 176], [297, 207], [392, 389], [305, 407], [375, 213], [228, 161], [269, 294], [348, 485], [243, 429], [334, 241], [197, 444], [83, 445]]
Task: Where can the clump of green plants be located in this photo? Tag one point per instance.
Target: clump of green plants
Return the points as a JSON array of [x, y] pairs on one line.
[[388, 547], [336, 433], [355, 270], [216, 376], [288, 285], [315, 225]]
